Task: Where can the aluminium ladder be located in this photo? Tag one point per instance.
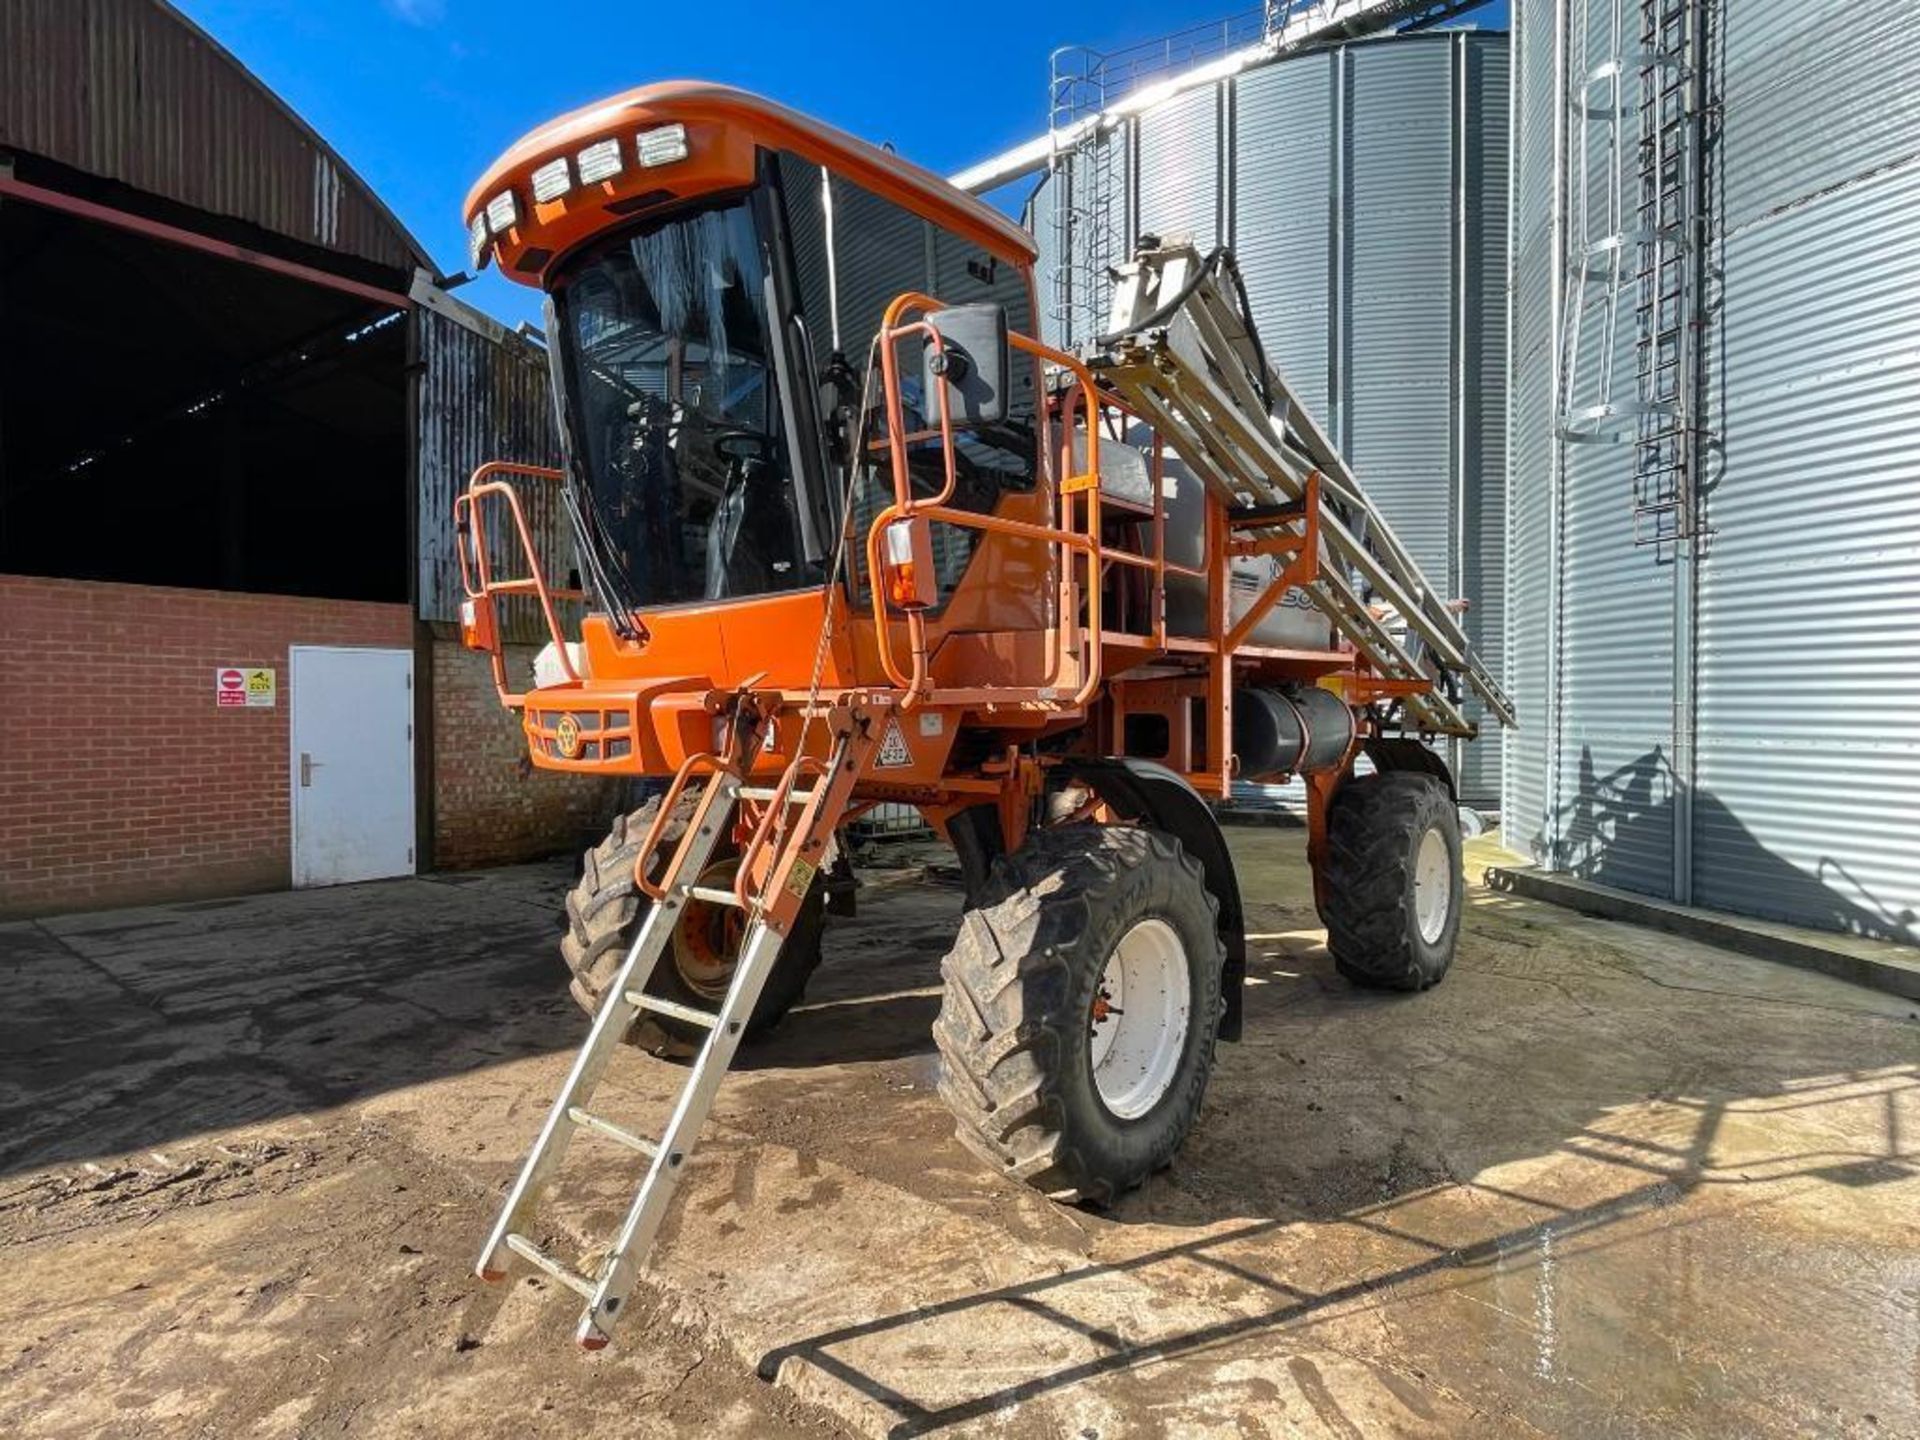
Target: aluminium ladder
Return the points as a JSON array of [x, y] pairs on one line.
[[793, 853], [1183, 355]]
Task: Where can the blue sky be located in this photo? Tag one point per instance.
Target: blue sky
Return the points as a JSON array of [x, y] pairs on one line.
[[420, 95]]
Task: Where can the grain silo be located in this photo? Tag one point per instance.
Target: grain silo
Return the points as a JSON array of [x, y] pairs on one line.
[[1363, 189], [1715, 489]]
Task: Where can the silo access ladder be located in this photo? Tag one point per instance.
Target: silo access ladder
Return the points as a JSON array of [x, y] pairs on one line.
[[777, 867], [1183, 354]]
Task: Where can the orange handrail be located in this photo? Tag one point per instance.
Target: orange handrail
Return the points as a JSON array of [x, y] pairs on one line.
[[916, 681], [770, 822], [476, 572], [704, 761]]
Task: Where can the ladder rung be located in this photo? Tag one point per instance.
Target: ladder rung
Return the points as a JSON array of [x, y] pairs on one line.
[[593, 1122], [671, 1008], [538, 1258], [765, 793], [714, 896]]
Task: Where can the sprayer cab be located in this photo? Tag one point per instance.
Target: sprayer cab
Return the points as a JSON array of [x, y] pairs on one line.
[[719, 271]]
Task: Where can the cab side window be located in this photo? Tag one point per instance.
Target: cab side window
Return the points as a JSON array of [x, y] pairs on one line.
[[854, 253]]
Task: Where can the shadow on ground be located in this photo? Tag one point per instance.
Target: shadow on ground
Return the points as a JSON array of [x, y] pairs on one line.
[[1599, 1171], [126, 1029]]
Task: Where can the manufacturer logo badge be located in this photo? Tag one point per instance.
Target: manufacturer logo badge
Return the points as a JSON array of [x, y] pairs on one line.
[[567, 735]]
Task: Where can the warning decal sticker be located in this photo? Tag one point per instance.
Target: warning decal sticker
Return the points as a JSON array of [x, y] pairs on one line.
[[253, 688], [894, 754]]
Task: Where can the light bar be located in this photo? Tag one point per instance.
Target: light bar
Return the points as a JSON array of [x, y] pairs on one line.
[[477, 241], [501, 213], [663, 146], [599, 162], [551, 181]]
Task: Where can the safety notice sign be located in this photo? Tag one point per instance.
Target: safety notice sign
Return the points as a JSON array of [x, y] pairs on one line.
[[240, 688]]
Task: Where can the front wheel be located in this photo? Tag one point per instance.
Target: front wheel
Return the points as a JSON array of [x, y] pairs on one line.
[[604, 912], [1081, 1002], [1393, 880]]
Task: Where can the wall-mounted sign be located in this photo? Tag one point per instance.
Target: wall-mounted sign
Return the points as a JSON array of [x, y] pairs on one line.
[[237, 688]]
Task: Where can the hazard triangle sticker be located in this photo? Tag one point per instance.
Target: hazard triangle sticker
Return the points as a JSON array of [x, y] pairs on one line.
[[894, 754]]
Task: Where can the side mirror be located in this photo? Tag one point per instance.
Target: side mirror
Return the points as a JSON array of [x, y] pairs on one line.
[[973, 363]]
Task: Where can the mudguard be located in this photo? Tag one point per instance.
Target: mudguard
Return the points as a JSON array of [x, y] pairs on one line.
[[1389, 753]]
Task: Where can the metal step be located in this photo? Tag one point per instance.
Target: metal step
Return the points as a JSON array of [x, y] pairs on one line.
[[764, 794], [540, 1260], [673, 1009], [601, 1126]]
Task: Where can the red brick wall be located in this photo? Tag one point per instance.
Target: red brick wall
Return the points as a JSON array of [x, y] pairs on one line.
[[490, 805], [120, 782]]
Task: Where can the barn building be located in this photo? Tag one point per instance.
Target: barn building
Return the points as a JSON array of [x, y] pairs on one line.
[[236, 399]]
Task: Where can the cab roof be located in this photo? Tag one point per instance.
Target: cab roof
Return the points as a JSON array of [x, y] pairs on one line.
[[723, 127]]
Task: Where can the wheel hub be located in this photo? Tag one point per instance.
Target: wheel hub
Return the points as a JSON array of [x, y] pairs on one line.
[[1139, 1018], [1432, 885], [706, 942]]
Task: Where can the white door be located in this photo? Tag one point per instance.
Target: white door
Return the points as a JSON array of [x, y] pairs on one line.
[[352, 763]]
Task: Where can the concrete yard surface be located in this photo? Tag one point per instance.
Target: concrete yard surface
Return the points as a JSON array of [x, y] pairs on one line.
[[1602, 1181]]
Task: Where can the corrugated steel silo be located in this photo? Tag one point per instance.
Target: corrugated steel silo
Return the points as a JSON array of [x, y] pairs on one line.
[[1715, 654], [1363, 190]]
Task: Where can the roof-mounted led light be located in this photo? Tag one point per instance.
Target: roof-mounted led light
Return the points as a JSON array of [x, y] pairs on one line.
[[663, 146], [501, 213], [599, 161], [551, 181], [477, 242]]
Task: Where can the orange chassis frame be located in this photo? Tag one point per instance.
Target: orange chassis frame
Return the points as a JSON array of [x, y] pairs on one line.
[[663, 711]]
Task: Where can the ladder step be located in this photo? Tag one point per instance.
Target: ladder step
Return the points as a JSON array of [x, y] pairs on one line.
[[764, 793], [714, 896], [593, 1122], [672, 1008], [540, 1260]]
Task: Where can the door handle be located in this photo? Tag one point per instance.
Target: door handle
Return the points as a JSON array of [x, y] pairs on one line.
[[307, 765]]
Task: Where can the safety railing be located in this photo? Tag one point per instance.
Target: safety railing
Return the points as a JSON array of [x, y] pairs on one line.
[[1154, 560], [479, 612], [1073, 664]]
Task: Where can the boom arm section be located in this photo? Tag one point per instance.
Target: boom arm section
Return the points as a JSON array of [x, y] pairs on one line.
[[1183, 354]]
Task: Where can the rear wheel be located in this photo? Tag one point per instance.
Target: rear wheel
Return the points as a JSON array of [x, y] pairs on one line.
[[604, 912], [1393, 880], [1082, 998]]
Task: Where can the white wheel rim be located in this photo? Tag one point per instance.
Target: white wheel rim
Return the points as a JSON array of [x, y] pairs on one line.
[[1139, 1019], [1432, 885]]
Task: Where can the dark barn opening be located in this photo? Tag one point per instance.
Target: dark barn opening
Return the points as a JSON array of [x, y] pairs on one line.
[[173, 417]]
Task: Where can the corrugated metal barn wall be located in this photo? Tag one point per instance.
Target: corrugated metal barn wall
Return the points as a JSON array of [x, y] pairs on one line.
[[1803, 800], [483, 395], [147, 98], [1364, 193]]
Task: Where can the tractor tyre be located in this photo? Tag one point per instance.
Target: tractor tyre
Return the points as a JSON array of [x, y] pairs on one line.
[[1081, 1002], [604, 911], [1393, 880]]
